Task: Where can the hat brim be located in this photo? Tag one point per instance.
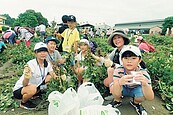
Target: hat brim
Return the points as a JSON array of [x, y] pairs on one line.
[[41, 49], [71, 20], [80, 43], [55, 40], [110, 39]]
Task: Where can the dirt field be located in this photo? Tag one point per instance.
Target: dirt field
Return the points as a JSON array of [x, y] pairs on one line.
[[153, 108]]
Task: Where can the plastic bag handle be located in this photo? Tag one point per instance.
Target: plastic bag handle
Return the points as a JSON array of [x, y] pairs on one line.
[[88, 84]]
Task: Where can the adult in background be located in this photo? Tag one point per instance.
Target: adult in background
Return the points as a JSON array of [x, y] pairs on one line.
[[144, 46], [9, 36], [37, 73], [25, 35], [42, 30], [108, 32], [61, 30]]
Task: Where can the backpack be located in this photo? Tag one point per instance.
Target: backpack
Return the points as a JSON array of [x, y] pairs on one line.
[[93, 46], [151, 47]]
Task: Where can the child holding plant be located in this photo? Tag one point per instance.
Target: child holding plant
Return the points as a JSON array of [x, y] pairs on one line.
[[79, 68], [131, 80], [37, 73]]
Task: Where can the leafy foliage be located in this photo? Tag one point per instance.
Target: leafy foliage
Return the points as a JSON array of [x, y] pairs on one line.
[[6, 95], [4, 28], [160, 67], [30, 18], [168, 23]]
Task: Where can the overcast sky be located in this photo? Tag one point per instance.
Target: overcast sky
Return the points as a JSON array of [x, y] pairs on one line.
[[92, 11]]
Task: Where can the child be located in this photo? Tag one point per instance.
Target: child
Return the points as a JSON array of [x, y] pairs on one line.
[[53, 55], [127, 84], [84, 47], [37, 73], [61, 30], [70, 35]]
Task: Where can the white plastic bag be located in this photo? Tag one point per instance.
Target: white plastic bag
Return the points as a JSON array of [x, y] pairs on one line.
[[70, 103], [89, 95], [63, 104], [54, 99], [99, 110]]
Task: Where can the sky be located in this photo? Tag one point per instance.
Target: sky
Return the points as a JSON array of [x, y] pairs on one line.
[[94, 12]]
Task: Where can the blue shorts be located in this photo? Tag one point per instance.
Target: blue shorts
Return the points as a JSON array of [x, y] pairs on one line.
[[132, 92]]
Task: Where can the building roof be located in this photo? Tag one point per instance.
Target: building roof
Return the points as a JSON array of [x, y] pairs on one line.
[[86, 25], [140, 24], [146, 21], [3, 17]]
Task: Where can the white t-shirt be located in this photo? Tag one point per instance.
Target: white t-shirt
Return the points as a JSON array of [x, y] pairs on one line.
[[42, 28], [36, 78], [79, 57]]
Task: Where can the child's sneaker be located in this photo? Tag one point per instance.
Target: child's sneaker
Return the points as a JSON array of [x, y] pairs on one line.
[[28, 105], [139, 108], [115, 104]]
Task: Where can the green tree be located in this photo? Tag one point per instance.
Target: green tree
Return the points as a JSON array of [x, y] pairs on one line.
[[30, 18], [168, 23]]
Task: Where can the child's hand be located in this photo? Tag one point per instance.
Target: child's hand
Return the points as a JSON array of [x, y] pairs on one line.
[[126, 80], [58, 35], [61, 61], [108, 62], [95, 57], [27, 71], [139, 77]]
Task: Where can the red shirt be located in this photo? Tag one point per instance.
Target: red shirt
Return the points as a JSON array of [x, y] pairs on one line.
[[144, 46], [7, 35]]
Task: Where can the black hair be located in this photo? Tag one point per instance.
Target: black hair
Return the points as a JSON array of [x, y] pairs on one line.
[[64, 18], [129, 54]]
